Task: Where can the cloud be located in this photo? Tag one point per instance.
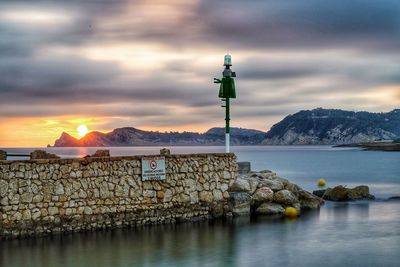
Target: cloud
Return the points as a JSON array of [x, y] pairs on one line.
[[152, 62], [304, 24]]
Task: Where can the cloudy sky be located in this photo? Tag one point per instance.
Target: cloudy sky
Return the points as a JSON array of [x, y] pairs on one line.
[[151, 64]]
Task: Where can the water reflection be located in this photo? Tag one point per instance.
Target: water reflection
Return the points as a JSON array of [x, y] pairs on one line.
[[356, 234]]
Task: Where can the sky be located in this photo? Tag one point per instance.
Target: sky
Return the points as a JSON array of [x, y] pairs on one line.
[[151, 64]]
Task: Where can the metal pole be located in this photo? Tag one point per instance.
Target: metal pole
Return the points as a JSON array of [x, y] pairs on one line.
[[227, 127]]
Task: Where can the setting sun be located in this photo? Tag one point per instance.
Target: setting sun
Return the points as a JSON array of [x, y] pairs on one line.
[[82, 130]]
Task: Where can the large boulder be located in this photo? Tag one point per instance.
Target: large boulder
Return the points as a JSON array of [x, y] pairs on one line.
[[338, 193], [240, 185], [269, 179], [360, 192], [308, 201], [285, 197], [294, 188], [341, 193], [274, 184], [240, 203], [253, 182], [270, 209], [263, 194]]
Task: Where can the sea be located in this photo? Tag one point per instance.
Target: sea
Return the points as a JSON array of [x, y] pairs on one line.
[[360, 233]]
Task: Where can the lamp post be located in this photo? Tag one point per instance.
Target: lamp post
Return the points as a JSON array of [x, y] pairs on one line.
[[226, 92]]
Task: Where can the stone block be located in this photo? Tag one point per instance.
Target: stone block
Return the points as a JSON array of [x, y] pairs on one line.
[[41, 154], [3, 155], [243, 167]]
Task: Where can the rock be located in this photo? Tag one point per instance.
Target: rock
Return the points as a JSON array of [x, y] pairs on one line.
[[360, 192], [36, 214], [308, 201], [3, 188], [266, 172], [26, 197], [285, 197], [59, 189], [41, 154], [253, 182], [3, 155], [217, 194], [240, 185], [88, 211], [53, 211], [206, 196], [168, 194], [244, 167], [26, 215], [341, 193], [240, 203], [319, 193], [338, 193], [294, 188], [270, 209], [165, 152], [263, 194], [101, 153], [274, 184]]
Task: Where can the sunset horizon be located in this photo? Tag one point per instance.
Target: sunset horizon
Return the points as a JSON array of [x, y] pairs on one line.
[[43, 140]]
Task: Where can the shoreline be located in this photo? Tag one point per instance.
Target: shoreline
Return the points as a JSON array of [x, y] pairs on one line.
[[375, 146]]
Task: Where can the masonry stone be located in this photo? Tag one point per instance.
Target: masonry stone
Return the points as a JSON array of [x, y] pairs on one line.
[[40, 195]]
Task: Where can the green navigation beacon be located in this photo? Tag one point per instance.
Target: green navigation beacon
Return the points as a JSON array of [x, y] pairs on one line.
[[226, 92]]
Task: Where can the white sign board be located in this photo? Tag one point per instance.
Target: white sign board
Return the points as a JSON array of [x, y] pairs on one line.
[[153, 168]]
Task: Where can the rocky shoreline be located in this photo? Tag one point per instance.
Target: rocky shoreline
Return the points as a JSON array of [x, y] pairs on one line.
[[265, 193], [375, 146]]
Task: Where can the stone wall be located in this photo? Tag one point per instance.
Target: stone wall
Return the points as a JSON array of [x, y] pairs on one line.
[[62, 195]]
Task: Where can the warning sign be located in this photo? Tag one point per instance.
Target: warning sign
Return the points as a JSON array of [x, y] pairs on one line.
[[153, 168]]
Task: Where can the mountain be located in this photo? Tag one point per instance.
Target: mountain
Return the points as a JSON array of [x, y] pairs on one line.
[[307, 127], [334, 126], [129, 136]]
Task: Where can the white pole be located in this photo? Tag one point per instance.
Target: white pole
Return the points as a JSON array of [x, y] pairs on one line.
[[226, 142]]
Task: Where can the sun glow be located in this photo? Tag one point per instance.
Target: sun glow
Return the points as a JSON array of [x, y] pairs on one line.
[[36, 16], [82, 130]]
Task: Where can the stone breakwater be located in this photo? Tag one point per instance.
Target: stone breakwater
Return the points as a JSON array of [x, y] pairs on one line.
[[265, 193], [67, 195]]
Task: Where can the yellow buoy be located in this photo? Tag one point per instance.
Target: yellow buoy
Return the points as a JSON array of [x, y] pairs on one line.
[[321, 182], [291, 212]]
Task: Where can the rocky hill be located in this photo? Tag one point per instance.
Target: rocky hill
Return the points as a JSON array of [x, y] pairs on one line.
[[130, 136], [334, 126], [308, 127]]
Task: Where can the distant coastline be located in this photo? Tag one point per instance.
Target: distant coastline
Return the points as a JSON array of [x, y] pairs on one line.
[[308, 127], [376, 146]]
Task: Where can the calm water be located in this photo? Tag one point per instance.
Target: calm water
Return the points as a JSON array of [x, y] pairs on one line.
[[340, 234]]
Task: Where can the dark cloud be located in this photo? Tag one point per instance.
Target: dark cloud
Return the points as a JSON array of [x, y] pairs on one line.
[[304, 24]]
